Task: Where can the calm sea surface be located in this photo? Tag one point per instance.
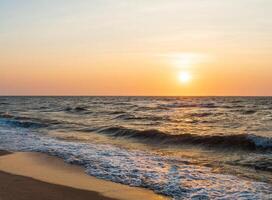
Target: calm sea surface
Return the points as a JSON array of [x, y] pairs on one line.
[[182, 147]]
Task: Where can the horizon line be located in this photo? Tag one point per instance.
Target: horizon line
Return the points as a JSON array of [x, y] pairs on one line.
[[135, 95]]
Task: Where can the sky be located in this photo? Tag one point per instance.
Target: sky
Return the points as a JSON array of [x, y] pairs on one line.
[[136, 47]]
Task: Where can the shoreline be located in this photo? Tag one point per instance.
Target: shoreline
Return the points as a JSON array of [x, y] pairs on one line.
[[36, 175]]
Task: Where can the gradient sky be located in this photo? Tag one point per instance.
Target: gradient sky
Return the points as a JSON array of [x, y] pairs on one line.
[[135, 47]]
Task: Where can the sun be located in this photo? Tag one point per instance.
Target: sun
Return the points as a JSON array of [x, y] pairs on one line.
[[184, 77]]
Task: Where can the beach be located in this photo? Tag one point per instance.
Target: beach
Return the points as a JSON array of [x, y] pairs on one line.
[[37, 176], [136, 100]]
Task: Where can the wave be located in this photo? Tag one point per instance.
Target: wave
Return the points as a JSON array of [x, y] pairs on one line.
[[24, 122], [126, 117], [249, 112], [189, 105], [245, 111], [21, 124], [151, 108], [242, 141], [144, 117], [204, 114], [116, 112], [260, 162], [77, 109]]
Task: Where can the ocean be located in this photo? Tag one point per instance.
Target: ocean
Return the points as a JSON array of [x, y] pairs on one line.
[[181, 147]]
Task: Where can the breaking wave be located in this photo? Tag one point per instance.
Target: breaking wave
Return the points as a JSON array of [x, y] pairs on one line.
[[242, 141]]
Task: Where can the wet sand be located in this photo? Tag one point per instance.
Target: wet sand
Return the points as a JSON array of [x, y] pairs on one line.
[[37, 176], [14, 187], [2, 152]]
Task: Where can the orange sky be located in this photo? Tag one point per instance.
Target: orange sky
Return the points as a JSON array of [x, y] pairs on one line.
[[117, 47]]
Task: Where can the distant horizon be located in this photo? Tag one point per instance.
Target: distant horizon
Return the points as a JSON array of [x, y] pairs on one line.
[[128, 96]]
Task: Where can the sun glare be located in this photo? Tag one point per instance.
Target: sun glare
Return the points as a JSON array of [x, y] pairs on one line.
[[185, 77]]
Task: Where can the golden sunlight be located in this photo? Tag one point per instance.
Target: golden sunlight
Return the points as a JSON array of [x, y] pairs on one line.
[[184, 77]]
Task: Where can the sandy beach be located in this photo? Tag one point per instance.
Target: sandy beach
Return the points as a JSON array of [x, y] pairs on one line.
[[37, 176]]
